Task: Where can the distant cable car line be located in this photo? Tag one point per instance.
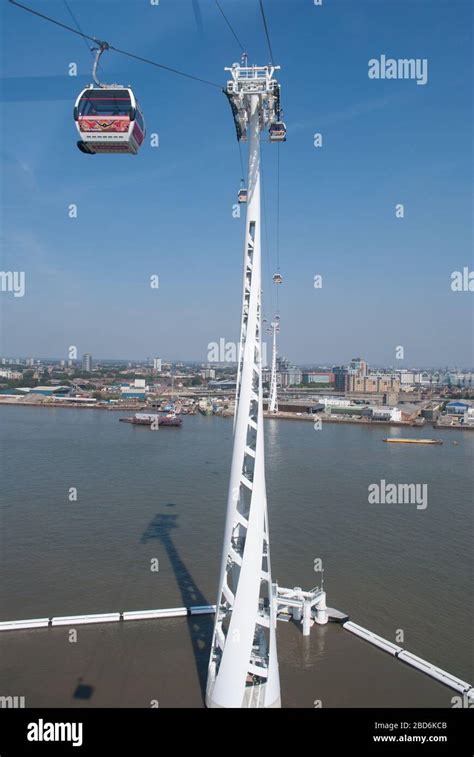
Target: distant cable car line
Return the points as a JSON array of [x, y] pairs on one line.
[[69, 10], [130, 143], [230, 26], [266, 31], [241, 196], [278, 209], [111, 47], [241, 162]]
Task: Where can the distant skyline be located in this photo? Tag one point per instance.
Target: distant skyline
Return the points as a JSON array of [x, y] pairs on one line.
[[97, 359], [386, 280]]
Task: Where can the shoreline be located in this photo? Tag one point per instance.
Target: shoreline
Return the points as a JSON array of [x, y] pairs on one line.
[[305, 417], [327, 419]]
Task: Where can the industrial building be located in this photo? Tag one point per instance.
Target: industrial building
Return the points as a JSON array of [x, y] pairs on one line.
[[47, 391], [318, 377], [457, 407], [289, 374], [373, 384], [330, 402], [358, 367], [137, 391], [340, 378], [223, 384]]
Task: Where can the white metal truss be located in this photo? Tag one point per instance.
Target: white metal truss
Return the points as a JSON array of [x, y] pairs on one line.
[[246, 82], [243, 665], [273, 404]]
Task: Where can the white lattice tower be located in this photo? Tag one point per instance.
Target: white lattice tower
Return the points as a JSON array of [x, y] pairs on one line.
[[243, 665]]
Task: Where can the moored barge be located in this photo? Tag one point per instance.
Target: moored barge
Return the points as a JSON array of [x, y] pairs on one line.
[[395, 440], [153, 419]]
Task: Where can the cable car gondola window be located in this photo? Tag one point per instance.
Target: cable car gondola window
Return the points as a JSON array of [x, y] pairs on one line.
[[140, 120], [103, 103]]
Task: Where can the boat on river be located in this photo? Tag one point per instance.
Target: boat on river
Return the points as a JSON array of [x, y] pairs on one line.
[[397, 440], [154, 419]]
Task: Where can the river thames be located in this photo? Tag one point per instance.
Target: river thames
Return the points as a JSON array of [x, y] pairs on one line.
[[144, 495]]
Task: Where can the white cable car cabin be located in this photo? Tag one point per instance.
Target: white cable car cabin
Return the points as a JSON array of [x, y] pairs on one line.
[[277, 278], [242, 195], [109, 120], [277, 132]]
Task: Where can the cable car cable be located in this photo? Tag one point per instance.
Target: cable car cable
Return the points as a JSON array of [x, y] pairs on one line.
[[69, 10], [111, 47], [267, 256], [241, 162], [278, 223], [278, 209], [230, 27], [266, 31], [53, 21], [166, 68], [243, 51]]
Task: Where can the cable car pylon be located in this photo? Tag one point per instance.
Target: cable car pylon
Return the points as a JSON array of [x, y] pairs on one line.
[[243, 664]]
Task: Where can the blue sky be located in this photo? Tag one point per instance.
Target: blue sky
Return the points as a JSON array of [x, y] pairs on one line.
[[168, 210]]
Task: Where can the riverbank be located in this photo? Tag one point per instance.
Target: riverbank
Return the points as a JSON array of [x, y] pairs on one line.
[[335, 419], [47, 402], [361, 421]]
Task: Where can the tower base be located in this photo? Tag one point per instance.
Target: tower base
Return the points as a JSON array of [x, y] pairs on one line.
[[211, 705]]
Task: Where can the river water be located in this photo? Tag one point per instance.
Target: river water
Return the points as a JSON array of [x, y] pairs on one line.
[[401, 571]]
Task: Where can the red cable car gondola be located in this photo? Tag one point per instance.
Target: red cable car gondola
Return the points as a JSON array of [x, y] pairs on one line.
[[242, 195], [108, 117], [277, 132]]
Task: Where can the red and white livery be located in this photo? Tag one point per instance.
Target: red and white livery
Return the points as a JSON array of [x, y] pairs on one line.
[[109, 120]]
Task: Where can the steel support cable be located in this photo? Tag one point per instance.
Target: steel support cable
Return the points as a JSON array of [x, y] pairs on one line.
[[241, 162], [69, 10], [230, 27], [111, 47], [278, 223], [266, 31], [267, 257]]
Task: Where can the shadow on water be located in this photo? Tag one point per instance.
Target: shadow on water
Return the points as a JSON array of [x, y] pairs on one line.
[[200, 626], [83, 691]]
